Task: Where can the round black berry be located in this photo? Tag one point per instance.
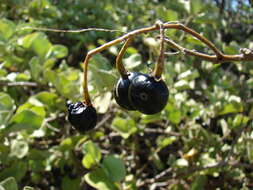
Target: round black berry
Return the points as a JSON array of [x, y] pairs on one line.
[[81, 116], [121, 91], [148, 95]]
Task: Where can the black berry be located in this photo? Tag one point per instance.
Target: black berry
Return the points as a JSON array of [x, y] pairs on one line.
[[121, 91], [148, 95], [81, 116]]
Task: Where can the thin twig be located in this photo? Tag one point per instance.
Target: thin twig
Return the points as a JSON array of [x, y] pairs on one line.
[[162, 131], [246, 54], [30, 84], [70, 31]]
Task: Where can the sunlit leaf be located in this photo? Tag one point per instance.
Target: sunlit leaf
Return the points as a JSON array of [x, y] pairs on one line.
[[99, 180], [6, 108], [9, 184], [196, 6], [37, 42], [26, 120], [125, 127], [7, 28], [92, 154], [19, 148], [57, 51]]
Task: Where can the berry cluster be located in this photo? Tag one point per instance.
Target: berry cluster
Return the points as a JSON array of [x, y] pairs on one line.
[[141, 92]]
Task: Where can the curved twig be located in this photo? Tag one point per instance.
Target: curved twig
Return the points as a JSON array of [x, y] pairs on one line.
[[219, 57]]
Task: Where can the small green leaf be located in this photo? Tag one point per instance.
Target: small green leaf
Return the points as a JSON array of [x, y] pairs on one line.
[[6, 108], [37, 42], [103, 102], [163, 142], [125, 127], [175, 116], [99, 180], [199, 183], [73, 184], [196, 6], [19, 148], [9, 184], [184, 85], [194, 41], [17, 170], [233, 107], [46, 98], [92, 154], [57, 51], [35, 68], [132, 61], [189, 75], [115, 168], [26, 120], [7, 28]]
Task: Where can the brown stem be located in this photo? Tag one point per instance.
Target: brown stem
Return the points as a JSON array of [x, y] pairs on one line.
[[197, 35], [120, 67], [160, 62], [212, 58]]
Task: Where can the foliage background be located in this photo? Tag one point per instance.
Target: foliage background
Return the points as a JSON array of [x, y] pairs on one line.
[[203, 139]]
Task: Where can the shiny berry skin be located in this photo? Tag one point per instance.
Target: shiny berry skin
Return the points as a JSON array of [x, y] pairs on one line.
[[81, 116], [148, 95], [121, 91]]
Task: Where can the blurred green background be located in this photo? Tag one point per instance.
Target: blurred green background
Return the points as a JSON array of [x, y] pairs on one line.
[[203, 139]]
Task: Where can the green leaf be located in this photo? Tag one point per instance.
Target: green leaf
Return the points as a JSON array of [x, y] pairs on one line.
[[19, 148], [103, 102], [233, 107], [175, 116], [167, 14], [57, 51], [125, 127], [101, 78], [26, 120], [6, 108], [92, 154], [195, 6], [37, 42], [67, 82], [199, 183], [73, 184], [189, 75], [115, 168], [99, 180], [9, 184], [151, 118], [194, 41], [46, 98], [163, 142], [133, 61], [17, 170], [184, 85], [35, 68], [7, 28], [240, 120], [32, 105]]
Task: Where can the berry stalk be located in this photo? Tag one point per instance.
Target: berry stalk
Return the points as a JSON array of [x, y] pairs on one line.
[[120, 67]]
